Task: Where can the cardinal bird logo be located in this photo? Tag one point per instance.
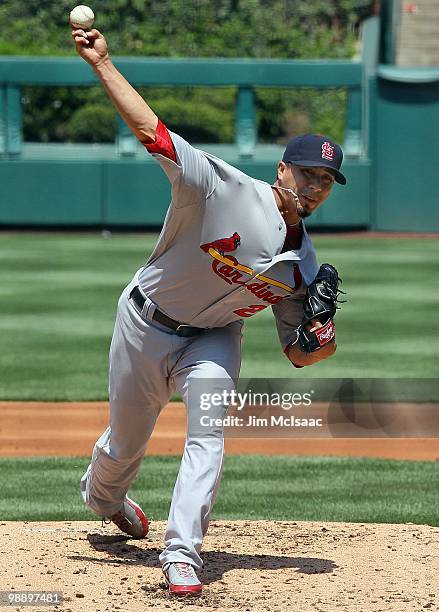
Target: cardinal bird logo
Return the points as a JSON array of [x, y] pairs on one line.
[[223, 245]]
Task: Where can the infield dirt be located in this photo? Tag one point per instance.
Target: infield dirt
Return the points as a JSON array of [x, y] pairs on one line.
[[249, 566], [71, 429], [272, 566]]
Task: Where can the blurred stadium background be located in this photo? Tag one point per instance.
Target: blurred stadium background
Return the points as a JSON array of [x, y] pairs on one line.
[[365, 73]]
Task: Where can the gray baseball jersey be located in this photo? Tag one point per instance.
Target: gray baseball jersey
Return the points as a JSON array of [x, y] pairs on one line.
[[218, 258], [218, 261]]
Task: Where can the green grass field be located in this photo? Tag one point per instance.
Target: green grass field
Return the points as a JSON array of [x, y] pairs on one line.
[[276, 488], [58, 296]]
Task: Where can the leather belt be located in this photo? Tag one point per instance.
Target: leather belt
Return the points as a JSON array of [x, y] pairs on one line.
[[180, 328]]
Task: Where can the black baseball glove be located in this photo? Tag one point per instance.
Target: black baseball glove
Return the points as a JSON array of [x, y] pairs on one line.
[[320, 304]]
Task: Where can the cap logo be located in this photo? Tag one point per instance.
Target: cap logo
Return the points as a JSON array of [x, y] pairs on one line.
[[327, 151]]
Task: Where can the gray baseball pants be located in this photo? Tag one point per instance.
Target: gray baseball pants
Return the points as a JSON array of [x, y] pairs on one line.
[[149, 362]]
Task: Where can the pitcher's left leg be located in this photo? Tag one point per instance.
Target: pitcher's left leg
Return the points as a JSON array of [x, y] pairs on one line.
[[209, 364]]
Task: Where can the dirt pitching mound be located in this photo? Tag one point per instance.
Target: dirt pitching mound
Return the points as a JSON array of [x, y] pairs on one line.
[[249, 566]]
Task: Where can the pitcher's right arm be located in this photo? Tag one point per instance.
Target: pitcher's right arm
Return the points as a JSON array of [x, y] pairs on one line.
[[136, 113]]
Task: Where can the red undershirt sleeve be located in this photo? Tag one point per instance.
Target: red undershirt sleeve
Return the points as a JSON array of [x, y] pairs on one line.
[[163, 143], [293, 238]]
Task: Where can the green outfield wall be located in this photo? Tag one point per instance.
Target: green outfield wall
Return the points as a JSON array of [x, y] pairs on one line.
[[108, 192], [405, 116], [390, 145]]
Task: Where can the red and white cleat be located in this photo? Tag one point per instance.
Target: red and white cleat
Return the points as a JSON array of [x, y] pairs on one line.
[[131, 519], [182, 580]]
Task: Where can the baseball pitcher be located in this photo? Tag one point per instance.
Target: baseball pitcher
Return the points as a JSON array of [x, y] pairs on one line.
[[231, 246]]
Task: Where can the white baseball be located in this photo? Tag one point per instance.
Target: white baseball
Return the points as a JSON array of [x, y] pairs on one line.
[[82, 17]]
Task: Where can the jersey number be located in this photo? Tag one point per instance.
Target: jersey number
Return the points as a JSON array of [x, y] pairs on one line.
[[249, 311]]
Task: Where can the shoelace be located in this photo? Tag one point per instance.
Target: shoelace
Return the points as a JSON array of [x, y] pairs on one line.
[[185, 570]]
